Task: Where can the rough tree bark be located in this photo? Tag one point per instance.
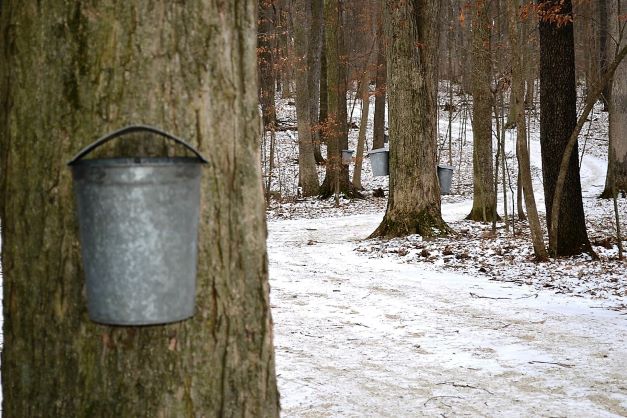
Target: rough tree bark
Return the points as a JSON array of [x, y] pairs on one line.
[[414, 200], [558, 119], [307, 172], [380, 80], [484, 195], [68, 73]]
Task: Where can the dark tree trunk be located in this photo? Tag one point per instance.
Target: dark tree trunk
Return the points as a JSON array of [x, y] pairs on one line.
[[558, 119], [381, 76], [414, 201], [484, 195], [68, 73], [324, 102], [265, 45]]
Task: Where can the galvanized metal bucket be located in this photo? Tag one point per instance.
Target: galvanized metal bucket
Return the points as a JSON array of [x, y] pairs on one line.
[[347, 156], [138, 221], [445, 177], [379, 161]]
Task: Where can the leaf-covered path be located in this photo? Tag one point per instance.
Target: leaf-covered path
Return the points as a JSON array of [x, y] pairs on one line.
[[358, 336]]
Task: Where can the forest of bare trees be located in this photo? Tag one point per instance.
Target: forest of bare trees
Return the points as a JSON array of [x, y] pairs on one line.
[[292, 102], [511, 61]]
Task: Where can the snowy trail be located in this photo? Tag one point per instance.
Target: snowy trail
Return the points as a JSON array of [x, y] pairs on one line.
[[362, 337]]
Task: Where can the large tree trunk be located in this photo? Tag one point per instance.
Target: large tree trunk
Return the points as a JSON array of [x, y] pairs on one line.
[[68, 73], [336, 129], [558, 119], [617, 155], [265, 46], [484, 195], [379, 101], [307, 172], [414, 200]]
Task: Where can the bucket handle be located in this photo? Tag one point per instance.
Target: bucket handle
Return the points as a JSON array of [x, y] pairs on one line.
[[131, 129]]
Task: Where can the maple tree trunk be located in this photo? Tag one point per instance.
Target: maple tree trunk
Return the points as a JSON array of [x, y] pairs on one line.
[[414, 199], [68, 73], [484, 195]]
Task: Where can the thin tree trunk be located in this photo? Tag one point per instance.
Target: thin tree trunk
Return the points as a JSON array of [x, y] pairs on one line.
[[363, 125], [324, 101], [287, 51], [380, 80], [414, 199], [604, 47], [528, 40], [197, 64], [265, 44], [314, 64]]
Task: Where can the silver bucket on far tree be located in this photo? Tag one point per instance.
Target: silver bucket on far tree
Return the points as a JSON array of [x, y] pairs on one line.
[[445, 177], [138, 221], [347, 156], [379, 161]]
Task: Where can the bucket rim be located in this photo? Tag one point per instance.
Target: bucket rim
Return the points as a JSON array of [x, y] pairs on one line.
[[137, 162], [378, 150], [446, 167]]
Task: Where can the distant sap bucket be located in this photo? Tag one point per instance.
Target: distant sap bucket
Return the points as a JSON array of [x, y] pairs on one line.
[[347, 156], [138, 221], [379, 160], [445, 177]]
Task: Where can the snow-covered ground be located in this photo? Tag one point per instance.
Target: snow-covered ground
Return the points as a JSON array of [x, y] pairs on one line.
[[363, 337], [468, 325]]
